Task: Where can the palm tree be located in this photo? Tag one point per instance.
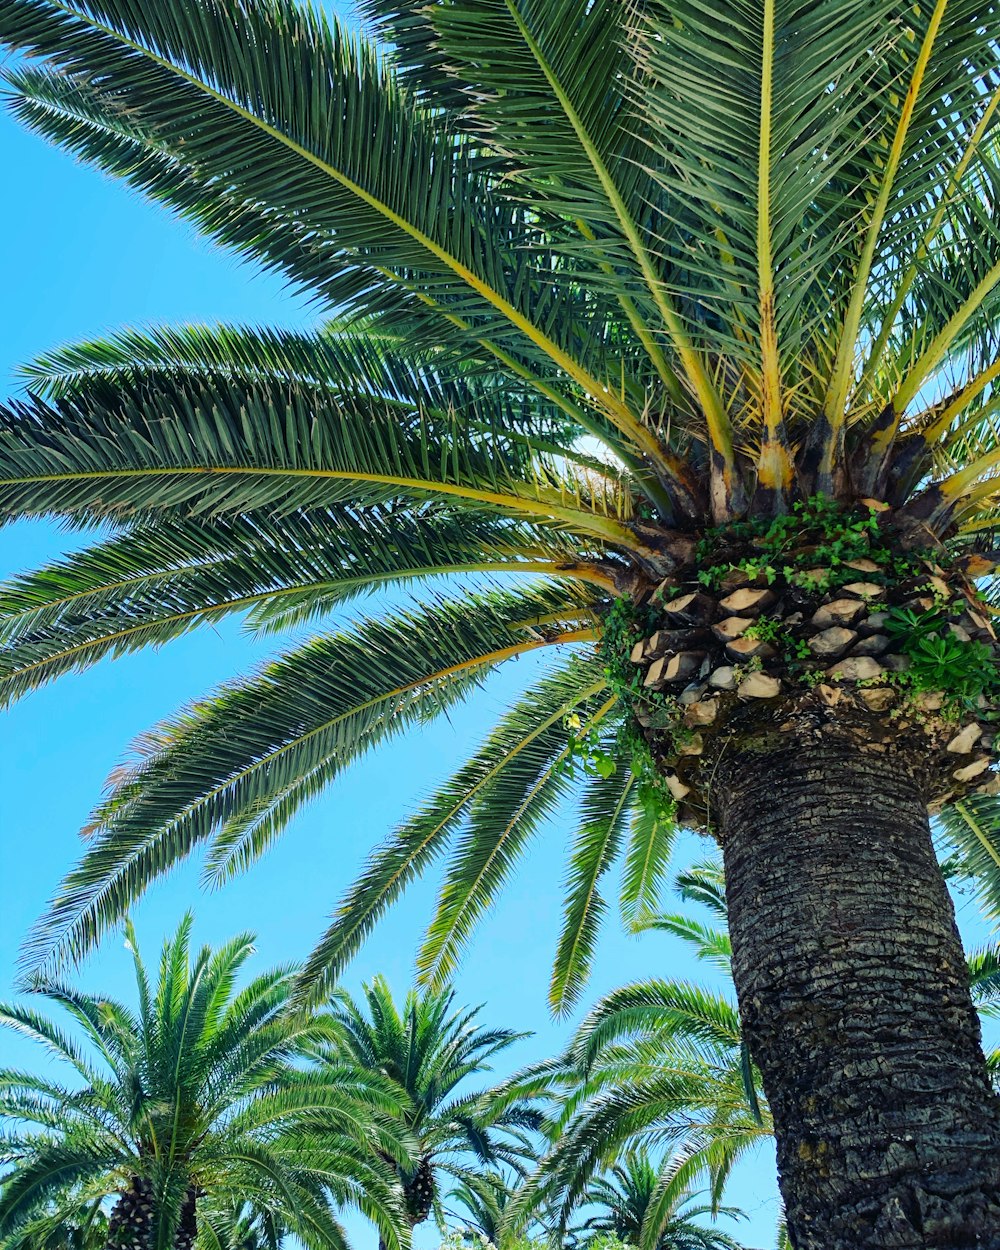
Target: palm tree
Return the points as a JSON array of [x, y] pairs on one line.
[[656, 1064], [426, 1051], [639, 1204], [85, 1229], [482, 1200], [186, 1112], [675, 320]]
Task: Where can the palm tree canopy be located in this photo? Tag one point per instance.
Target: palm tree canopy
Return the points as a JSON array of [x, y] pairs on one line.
[[190, 1092], [428, 1052], [629, 1199], [600, 277], [657, 1080]]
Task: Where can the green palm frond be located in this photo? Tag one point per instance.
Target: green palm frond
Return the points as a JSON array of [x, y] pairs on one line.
[[386, 217], [604, 810], [711, 945], [602, 278], [526, 790], [153, 583], [311, 713], [705, 883], [211, 446], [650, 1204], [972, 826], [533, 730], [650, 842]]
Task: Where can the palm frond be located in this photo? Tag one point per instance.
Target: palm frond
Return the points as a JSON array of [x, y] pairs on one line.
[[533, 728], [308, 716]]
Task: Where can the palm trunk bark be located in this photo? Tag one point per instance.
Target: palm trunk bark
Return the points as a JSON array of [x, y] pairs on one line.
[[130, 1225], [187, 1228], [855, 1001]]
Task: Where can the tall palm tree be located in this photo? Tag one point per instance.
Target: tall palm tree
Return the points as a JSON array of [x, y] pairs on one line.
[[186, 1109], [677, 321], [631, 1204], [427, 1052]]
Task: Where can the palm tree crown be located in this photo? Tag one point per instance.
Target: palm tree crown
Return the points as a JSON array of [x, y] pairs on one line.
[[630, 1199], [426, 1051], [188, 1112]]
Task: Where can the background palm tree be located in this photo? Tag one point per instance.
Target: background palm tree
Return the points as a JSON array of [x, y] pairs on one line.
[[187, 1111], [619, 288], [639, 1204], [84, 1229], [427, 1052], [657, 1065], [477, 1206]]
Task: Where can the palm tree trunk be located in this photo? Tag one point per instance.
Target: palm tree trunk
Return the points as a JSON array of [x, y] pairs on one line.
[[855, 1000], [187, 1228], [130, 1226]]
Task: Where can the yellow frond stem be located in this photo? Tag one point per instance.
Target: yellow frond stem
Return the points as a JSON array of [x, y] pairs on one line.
[[642, 331], [962, 484], [940, 427], [774, 467], [770, 366], [719, 428], [840, 382], [604, 527], [943, 341]]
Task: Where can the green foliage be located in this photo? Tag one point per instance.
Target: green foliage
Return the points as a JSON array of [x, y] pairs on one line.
[[561, 230], [624, 625], [639, 1204], [194, 1092], [817, 533], [427, 1052], [467, 1239], [963, 669]]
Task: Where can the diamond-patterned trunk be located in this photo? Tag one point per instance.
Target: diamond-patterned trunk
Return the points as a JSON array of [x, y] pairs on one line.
[[419, 1190], [854, 996], [130, 1226]]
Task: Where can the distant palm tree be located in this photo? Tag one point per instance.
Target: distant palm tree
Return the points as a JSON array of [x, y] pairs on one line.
[[428, 1052], [656, 1062], [659, 1062], [639, 1202], [84, 1229], [481, 1199], [188, 1103], [676, 320]]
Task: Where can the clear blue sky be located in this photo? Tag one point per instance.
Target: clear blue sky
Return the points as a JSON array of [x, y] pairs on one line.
[[81, 255]]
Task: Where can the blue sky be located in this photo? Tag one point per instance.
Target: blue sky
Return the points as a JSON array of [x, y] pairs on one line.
[[81, 255]]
